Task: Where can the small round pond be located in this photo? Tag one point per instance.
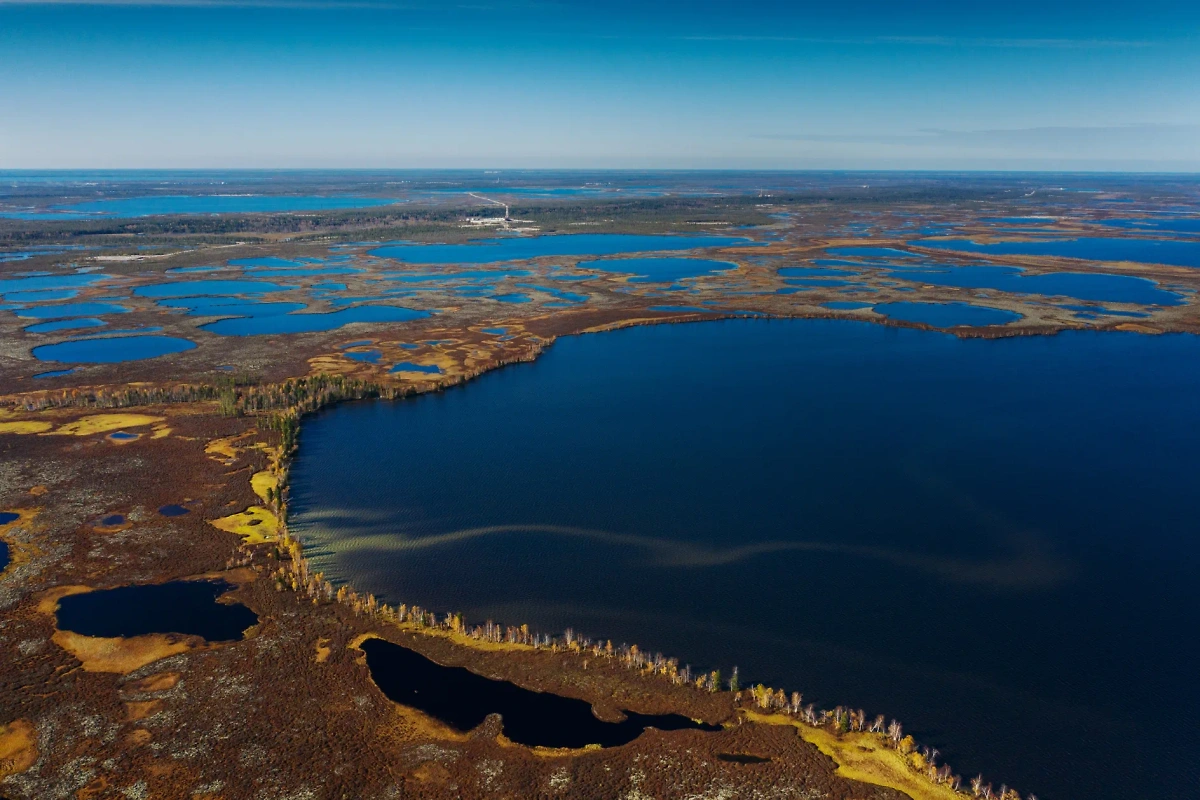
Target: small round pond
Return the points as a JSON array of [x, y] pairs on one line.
[[112, 350], [189, 608]]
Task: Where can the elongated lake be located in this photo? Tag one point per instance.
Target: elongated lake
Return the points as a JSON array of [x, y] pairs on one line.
[[990, 540]]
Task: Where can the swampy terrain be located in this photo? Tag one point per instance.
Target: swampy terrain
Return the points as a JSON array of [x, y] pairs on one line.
[[921, 471]]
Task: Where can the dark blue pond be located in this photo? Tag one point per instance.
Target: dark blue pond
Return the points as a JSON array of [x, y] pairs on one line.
[[659, 270], [1177, 225], [43, 296], [1084, 286], [946, 315], [1151, 251], [174, 510], [207, 287], [200, 204], [581, 244], [55, 373], [462, 700], [112, 349], [311, 323], [987, 539], [365, 356], [408, 366], [65, 325], [71, 310], [40, 282], [182, 607]]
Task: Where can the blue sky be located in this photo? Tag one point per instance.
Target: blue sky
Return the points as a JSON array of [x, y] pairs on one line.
[[505, 83]]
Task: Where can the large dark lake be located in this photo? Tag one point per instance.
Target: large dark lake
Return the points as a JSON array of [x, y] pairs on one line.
[[990, 540]]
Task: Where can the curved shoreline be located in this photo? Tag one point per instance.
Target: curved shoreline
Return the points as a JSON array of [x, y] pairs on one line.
[[889, 758]]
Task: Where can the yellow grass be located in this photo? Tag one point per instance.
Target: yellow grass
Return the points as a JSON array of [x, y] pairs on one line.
[[323, 650], [119, 654], [48, 602], [24, 515], [27, 426], [18, 747], [256, 524], [159, 682], [105, 423], [141, 709], [625, 323], [226, 448], [261, 481], [864, 757], [1134, 327]]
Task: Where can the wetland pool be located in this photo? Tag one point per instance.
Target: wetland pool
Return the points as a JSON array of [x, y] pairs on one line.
[[189, 608], [462, 700], [1148, 251], [111, 349], [989, 540]]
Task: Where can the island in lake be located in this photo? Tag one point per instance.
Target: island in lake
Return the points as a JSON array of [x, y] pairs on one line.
[[599, 485]]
